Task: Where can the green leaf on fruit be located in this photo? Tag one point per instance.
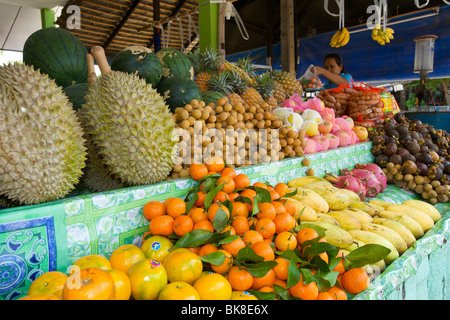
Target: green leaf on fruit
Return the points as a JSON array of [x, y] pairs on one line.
[[215, 258], [367, 254]]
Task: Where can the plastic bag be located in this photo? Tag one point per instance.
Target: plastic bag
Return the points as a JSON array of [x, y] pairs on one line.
[[310, 79]]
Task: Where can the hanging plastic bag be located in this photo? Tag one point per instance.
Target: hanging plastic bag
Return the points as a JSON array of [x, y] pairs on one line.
[[310, 79]]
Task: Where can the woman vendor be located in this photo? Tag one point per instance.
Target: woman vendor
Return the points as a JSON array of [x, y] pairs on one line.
[[334, 71]]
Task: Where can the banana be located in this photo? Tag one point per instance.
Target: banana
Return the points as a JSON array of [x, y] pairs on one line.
[[335, 38], [423, 219], [413, 226], [361, 216], [303, 181], [303, 211], [374, 34], [387, 233], [311, 198], [353, 196], [334, 235], [403, 231], [374, 270], [363, 206], [323, 217], [375, 207], [380, 203], [425, 207], [370, 237], [342, 35], [389, 35], [346, 38], [346, 220], [335, 198], [355, 245], [389, 30]]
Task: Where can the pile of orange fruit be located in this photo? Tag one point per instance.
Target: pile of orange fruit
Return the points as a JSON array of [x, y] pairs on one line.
[[227, 239]]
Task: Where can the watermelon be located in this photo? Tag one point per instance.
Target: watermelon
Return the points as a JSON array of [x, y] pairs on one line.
[[76, 94], [175, 63], [142, 60], [57, 53], [178, 91], [211, 96]]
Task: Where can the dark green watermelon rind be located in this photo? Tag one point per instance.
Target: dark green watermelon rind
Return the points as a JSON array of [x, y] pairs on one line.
[[150, 68], [175, 63], [77, 94], [178, 91], [211, 96], [57, 53]]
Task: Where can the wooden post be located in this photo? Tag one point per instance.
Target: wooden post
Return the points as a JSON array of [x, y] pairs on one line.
[[156, 19], [221, 30], [288, 59], [208, 14]]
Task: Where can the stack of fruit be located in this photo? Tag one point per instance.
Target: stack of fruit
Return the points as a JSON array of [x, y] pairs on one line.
[[203, 129], [336, 100], [414, 156], [366, 105], [228, 240]]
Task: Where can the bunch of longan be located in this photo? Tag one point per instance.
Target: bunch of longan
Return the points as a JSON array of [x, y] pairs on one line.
[[243, 134]]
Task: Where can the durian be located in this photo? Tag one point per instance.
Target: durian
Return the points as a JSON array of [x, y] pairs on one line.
[[42, 150], [130, 125]]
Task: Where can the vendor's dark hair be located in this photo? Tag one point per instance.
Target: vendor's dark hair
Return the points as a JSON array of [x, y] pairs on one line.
[[337, 57]]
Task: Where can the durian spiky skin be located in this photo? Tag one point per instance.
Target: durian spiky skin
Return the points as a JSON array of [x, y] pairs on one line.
[[131, 127], [42, 150]]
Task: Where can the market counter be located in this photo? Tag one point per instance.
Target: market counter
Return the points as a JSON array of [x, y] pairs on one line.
[[51, 236]]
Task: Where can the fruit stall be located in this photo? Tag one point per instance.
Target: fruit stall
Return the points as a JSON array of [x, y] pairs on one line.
[[183, 176]]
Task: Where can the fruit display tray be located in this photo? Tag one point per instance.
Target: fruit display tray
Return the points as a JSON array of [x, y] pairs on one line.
[[51, 236]]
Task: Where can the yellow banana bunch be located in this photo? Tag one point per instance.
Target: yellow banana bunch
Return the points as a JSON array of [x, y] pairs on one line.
[[382, 37], [340, 38]]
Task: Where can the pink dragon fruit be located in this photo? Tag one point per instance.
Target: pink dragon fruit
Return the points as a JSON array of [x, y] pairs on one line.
[[343, 124], [368, 179], [377, 171], [348, 182], [344, 138]]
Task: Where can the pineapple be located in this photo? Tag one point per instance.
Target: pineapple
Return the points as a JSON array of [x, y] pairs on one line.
[[278, 92], [222, 83], [290, 84], [249, 94], [265, 86], [205, 65]]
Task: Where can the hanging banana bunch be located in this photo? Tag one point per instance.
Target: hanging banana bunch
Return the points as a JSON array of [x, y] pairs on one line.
[[381, 33], [382, 37], [342, 36]]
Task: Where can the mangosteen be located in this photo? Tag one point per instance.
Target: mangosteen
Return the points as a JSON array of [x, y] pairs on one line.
[[415, 124], [415, 135], [413, 147], [404, 139], [425, 158], [422, 168], [390, 125], [391, 148], [396, 159], [393, 133], [402, 152], [377, 140], [382, 160], [399, 117], [402, 129], [408, 157], [409, 167], [377, 150], [391, 140], [424, 148], [440, 165], [447, 168]]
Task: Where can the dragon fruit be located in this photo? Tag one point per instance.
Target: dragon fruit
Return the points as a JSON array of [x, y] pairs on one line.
[[368, 179], [377, 171], [348, 182]]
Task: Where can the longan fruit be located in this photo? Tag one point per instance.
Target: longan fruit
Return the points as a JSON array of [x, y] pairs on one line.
[[222, 101], [184, 124], [306, 162], [204, 115], [197, 114], [310, 172], [227, 107]]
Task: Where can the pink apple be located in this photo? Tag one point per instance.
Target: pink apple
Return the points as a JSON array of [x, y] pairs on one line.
[[349, 120], [325, 126]]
